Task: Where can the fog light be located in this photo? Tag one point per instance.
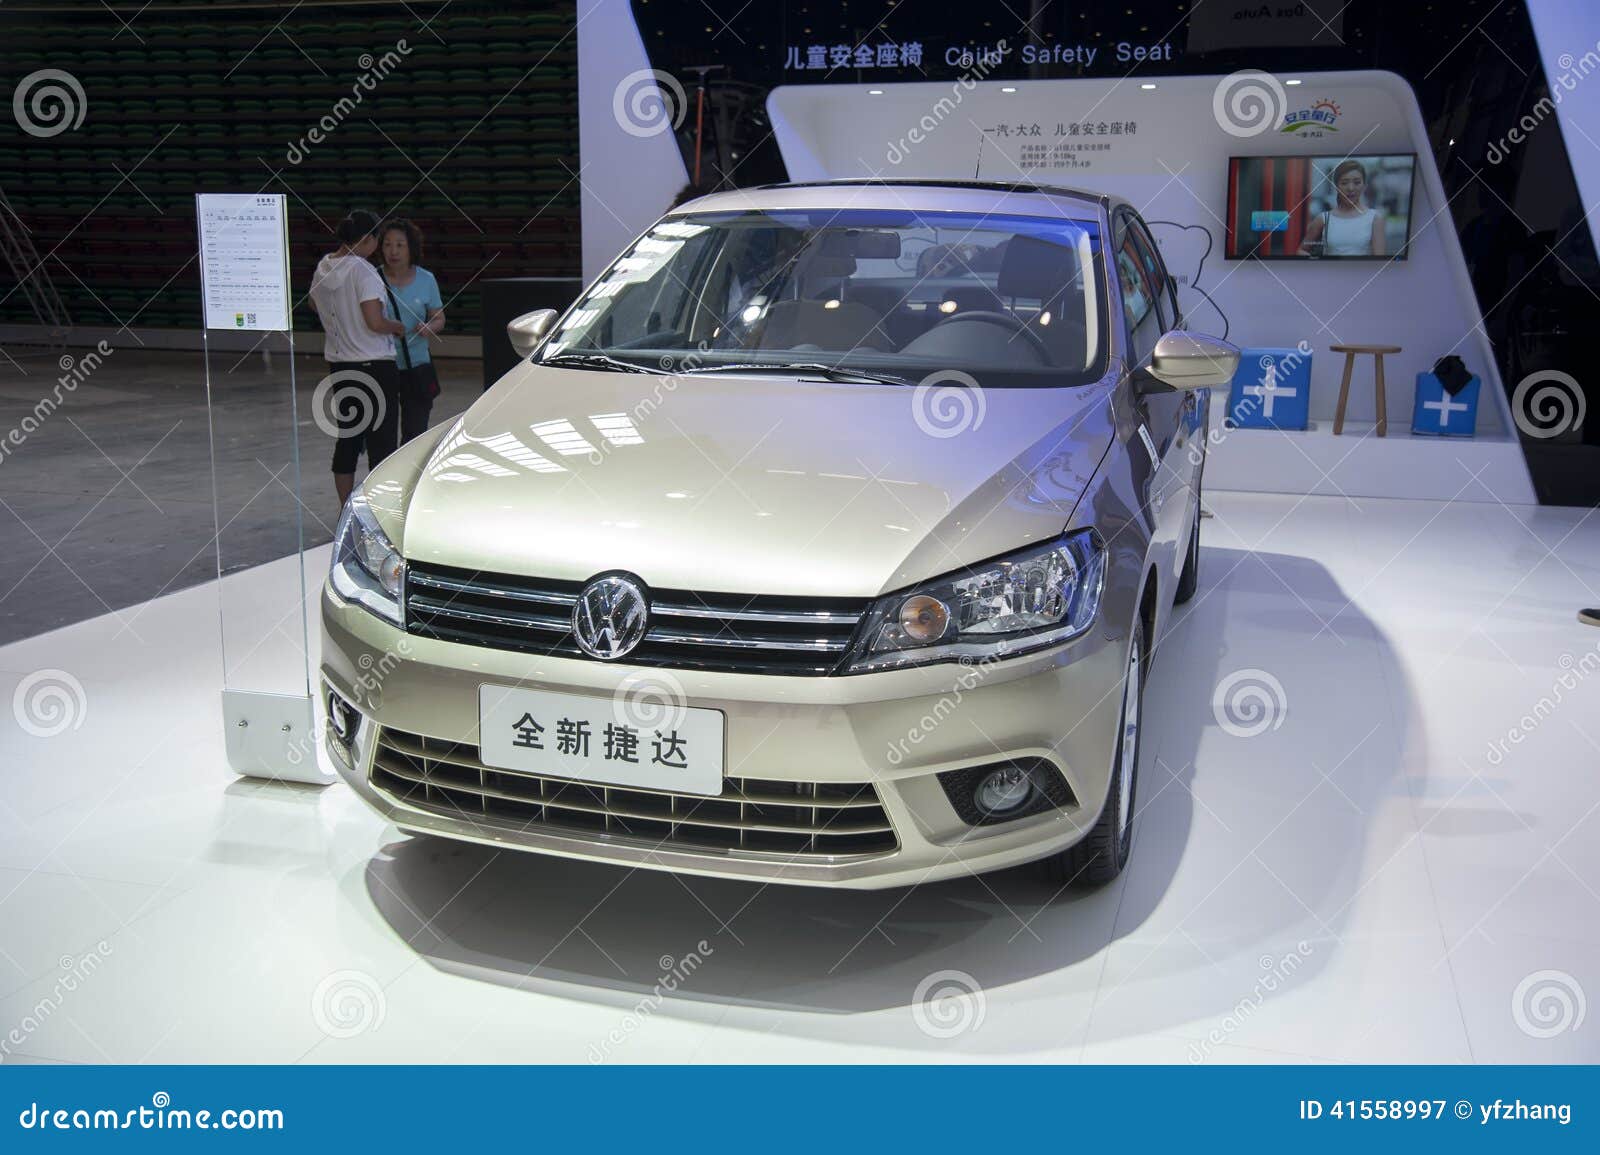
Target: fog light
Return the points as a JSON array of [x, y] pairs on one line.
[[1003, 791], [342, 720]]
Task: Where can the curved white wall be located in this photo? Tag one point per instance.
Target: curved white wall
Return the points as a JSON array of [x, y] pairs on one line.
[[1173, 166]]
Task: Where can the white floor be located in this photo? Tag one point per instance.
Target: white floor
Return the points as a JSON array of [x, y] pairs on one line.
[[1366, 879]]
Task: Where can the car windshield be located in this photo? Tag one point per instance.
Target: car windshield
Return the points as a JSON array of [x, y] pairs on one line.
[[896, 295]]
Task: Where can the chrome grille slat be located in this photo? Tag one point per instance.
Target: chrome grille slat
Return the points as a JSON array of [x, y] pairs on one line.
[[821, 618], [748, 642], [414, 747], [429, 605], [613, 811], [763, 634], [792, 820], [452, 585]]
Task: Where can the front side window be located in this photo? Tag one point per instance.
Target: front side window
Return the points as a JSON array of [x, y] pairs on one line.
[[1156, 270], [890, 294], [1139, 298]]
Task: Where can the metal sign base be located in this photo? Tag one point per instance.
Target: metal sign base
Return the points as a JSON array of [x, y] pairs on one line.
[[273, 736]]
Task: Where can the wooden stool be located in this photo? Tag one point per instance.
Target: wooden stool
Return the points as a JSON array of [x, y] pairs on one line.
[[1350, 352]]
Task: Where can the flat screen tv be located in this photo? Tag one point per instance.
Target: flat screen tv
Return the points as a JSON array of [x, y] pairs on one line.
[[1330, 208]]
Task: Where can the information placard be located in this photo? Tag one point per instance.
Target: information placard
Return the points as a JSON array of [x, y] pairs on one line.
[[244, 260]]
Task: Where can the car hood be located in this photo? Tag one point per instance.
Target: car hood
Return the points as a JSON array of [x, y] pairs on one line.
[[750, 484]]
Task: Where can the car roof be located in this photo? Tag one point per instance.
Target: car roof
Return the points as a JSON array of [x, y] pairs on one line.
[[1020, 198]]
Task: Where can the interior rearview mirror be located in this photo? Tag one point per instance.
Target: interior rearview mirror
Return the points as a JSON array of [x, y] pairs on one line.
[[1191, 361], [529, 329]]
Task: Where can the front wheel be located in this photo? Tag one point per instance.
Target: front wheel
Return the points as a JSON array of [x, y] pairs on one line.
[[1101, 856]]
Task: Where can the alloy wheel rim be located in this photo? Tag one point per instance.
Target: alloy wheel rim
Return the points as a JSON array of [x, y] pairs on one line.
[[1131, 697]]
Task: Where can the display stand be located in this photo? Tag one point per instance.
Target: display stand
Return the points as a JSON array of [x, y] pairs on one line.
[[268, 716]]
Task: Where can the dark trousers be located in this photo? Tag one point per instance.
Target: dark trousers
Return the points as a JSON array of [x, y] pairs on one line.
[[418, 387], [365, 405]]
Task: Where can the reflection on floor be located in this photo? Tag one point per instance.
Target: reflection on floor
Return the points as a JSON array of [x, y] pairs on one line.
[[1342, 854], [108, 502]]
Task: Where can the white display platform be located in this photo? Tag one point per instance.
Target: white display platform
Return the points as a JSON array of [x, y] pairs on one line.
[[1358, 463], [1367, 845]]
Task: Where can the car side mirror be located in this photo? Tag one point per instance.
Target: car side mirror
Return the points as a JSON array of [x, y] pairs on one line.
[[1184, 360], [529, 329]]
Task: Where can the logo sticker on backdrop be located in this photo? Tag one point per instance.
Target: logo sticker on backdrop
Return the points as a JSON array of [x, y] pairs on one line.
[[1318, 120]]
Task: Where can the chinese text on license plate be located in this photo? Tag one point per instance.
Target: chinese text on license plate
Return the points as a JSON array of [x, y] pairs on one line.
[[652, 745]]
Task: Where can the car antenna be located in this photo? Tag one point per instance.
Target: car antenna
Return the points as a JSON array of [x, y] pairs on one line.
[[979, 165]]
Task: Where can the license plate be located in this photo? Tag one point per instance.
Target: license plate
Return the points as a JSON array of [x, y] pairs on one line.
[[654, 746]]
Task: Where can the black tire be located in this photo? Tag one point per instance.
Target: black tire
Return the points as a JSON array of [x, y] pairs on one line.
[[1189, 579], [1103, 854]]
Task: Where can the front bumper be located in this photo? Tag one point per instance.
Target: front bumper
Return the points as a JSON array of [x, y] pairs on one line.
[[896, 729]]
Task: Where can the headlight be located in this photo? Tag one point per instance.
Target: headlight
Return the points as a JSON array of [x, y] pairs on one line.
[[367, 569], [1032, 599]]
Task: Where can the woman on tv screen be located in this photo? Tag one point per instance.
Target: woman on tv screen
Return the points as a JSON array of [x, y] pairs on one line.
[[1349, 228]]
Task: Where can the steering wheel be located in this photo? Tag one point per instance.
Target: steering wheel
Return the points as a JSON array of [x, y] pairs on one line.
[[1005, 321]]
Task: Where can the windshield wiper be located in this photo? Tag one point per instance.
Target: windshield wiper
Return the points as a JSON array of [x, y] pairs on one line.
[[597, 361], [807, 369]]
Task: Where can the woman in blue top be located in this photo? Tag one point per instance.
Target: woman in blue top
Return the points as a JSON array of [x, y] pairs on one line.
[[413, 300]]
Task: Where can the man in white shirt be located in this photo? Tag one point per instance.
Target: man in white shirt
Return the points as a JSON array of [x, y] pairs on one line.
[[364, 391]]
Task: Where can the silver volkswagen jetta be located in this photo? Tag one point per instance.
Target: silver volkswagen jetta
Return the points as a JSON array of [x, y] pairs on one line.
[[826, 539]]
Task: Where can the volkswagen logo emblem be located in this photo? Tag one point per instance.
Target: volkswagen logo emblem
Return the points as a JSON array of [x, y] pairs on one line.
[[608, 620]]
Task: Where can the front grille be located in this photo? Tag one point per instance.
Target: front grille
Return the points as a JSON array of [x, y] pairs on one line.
[[702, 631], [752, 815]]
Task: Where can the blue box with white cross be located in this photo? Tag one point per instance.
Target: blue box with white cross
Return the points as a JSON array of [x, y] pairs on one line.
[[1271, 389], [1438, 413]]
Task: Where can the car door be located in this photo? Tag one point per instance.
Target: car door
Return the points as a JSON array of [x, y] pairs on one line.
[[1147, 308], [1183, 462]]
